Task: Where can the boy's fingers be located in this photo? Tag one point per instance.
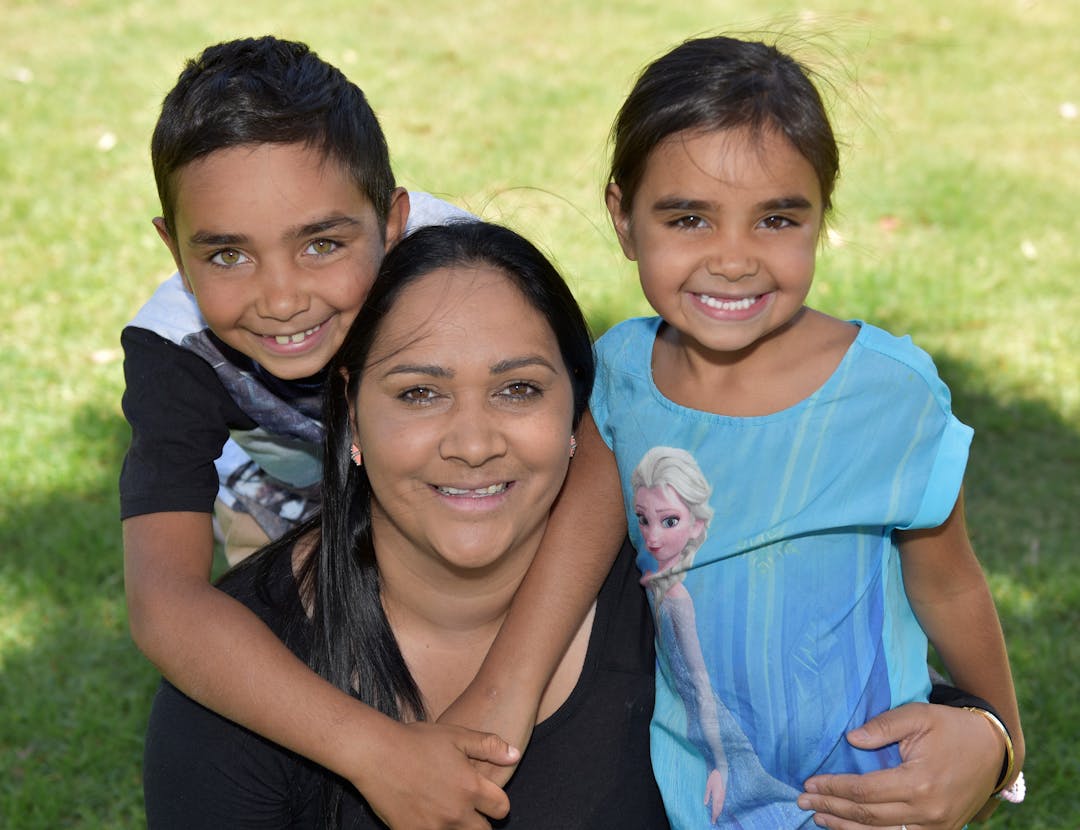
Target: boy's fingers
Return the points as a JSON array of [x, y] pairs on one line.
[[487, 746], [492, 801]]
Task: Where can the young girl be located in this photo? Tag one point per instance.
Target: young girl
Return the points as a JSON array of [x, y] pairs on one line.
[[834, 461]]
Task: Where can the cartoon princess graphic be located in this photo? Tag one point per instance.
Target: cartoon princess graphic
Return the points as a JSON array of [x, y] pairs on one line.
[[671, 502]]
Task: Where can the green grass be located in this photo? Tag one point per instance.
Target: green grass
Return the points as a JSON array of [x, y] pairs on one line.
[[956, 222]]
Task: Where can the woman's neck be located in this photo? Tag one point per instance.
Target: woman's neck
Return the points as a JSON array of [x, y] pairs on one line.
[[445, 618]]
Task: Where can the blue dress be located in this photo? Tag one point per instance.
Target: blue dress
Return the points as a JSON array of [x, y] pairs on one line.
[[803, 624]]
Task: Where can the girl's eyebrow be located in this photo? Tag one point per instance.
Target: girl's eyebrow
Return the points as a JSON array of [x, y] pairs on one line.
[[674, 203]]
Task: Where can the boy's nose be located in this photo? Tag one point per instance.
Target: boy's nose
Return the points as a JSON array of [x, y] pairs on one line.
[[282, 296]]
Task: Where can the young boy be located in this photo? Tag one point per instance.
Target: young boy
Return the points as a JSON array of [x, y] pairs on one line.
[[278, 204]]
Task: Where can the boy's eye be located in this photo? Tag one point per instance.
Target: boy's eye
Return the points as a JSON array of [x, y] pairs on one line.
[[228, 258], [322, 247]]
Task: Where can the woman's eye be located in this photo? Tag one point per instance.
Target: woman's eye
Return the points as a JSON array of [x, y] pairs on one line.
[[520, 391], [641, 520], [322, 247], [228, 258], [669, 521], [418, 394]]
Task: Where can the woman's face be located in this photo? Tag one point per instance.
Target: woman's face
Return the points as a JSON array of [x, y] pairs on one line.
[[463, 416], [665, 522]]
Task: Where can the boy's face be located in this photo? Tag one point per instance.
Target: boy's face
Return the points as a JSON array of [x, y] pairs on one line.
[[280, 248]]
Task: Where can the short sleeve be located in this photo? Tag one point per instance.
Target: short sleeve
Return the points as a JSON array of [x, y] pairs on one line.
[[180, 416]]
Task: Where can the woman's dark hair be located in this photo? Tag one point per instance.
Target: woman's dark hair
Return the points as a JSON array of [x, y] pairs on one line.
[[720, 83], [268, 91], [353, 645]]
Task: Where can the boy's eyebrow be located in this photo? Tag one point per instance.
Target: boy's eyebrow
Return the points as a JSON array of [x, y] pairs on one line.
[[322, 226], [209, 239]]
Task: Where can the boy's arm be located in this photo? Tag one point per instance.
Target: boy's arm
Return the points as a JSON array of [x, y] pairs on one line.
[[585, 533], [951, 599], [218, 652]]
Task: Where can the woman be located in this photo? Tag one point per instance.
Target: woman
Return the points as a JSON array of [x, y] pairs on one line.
[[449, 419]]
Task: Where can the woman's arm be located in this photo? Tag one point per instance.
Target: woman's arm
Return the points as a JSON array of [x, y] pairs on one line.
[[583, 537], [215, 650]]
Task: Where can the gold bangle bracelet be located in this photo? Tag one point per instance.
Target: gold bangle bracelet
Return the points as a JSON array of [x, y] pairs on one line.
[[1010, 756]]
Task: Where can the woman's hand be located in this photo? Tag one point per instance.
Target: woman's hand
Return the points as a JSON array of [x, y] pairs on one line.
[[428, 781], [951, 760]]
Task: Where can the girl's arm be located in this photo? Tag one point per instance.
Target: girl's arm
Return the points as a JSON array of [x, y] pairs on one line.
[[952, 601], [219, 653], [584, 534], [951, 760]]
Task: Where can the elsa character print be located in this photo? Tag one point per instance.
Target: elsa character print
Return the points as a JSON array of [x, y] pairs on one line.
[[671, 502]]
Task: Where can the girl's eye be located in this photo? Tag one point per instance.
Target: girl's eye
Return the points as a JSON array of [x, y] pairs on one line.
[[669, 521], [322, 247], [228, 258], [775, 223], [690, 221]]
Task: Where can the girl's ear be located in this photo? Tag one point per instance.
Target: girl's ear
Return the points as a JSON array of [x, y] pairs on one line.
[[170, 243], [620, 219]]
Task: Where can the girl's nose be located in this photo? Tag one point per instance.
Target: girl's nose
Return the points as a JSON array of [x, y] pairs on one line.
[[732, 259]]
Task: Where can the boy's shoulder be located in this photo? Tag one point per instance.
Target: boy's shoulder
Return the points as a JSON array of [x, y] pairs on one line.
[[171, 312], [425, 209]]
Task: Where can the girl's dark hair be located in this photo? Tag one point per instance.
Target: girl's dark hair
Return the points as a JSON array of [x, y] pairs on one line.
[[353, 645], [268, 91], [720, 83]]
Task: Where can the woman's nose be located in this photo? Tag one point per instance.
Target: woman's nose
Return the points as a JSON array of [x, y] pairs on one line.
[[472, 435]]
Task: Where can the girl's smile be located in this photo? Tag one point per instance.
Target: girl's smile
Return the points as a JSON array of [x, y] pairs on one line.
[[724, 226]]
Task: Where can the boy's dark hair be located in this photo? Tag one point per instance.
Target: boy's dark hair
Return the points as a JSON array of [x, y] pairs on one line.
[[268, 91], [720, 83]]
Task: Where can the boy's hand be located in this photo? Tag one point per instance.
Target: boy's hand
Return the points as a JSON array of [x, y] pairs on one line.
[[493, 713], [426, 781]]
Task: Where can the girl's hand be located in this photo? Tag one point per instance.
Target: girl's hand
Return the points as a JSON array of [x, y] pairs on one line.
[[426, 780], [951, 760]]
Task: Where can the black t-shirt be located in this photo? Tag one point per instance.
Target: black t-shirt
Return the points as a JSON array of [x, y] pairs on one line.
[[587, 766], [180, 416]]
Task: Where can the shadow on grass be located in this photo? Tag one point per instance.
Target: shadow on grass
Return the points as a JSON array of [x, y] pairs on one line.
[[75, 692]]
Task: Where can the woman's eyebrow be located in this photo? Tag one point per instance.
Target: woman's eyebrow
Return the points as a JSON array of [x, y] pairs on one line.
[[431, 370], [515, 363]]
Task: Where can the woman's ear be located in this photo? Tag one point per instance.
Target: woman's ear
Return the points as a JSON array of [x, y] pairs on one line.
[[349, 402], [620, 219]]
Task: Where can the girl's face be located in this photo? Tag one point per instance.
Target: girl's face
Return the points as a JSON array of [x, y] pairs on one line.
[[463, 416], [724, 227], [665, 522]]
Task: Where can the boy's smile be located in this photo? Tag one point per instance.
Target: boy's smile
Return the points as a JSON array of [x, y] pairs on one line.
[[280, 248]]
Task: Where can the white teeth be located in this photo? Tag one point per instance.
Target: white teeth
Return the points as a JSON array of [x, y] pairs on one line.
[[299, 337], [728, 305], [474, 494]]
